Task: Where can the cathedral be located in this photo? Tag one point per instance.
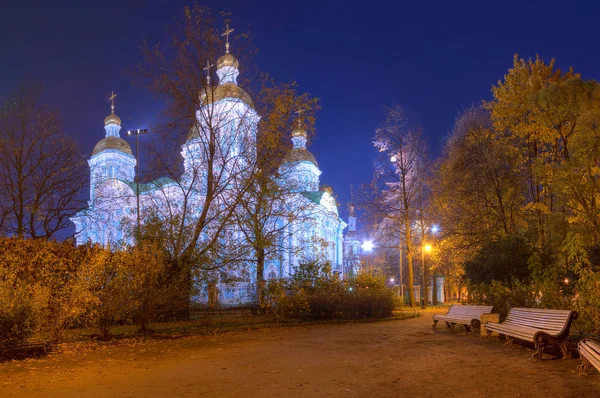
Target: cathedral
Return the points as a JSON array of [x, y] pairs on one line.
[[116, 196]]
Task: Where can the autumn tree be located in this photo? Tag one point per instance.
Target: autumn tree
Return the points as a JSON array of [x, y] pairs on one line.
[[530, 124], [41, 169], [478, 187], [270, 206], [197, 202], [229, 174]]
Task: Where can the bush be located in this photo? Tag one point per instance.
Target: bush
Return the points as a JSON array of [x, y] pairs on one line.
[[64, 286], [313, 292], [16, 316], [503, 296], [502, 260]]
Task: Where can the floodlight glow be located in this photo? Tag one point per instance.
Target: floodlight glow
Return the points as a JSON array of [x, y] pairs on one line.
[[393, 159], [427, 248], [368, 246], [435, 229]]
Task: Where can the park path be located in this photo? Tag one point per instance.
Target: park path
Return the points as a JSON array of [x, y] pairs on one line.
[[383, 359]]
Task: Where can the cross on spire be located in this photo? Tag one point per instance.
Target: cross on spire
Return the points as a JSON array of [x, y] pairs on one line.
[[226, 34], [299, 112], [207, 69], [351, 204], [112, 101]]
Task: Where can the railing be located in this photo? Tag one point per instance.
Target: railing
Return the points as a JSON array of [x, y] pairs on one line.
[[227, 296], [237, 295]]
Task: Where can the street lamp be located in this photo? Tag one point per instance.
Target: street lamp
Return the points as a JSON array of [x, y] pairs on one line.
[[425, 248], [137, 133], [367, 247]]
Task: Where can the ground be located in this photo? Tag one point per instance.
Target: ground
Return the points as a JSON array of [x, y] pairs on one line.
[[382, 359]]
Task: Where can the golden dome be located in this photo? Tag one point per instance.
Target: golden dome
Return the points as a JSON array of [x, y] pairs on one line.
[[299, 132], [300, 155], [227, 90], [112, 118], [114, 143], [227, 60]]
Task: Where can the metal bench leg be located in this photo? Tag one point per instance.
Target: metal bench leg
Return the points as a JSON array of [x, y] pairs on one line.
[[564, 347], [468, 328], [584, 366], [435, 321], [540, 343], [448, 325], [476, 324], [509, 341]]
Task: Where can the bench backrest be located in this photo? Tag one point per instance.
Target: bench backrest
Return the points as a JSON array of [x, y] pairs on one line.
[[473, 311], [551, 321]]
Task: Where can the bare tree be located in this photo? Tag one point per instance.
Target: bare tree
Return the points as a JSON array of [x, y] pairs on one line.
[[399, 178], [41, 170], [227, 196]]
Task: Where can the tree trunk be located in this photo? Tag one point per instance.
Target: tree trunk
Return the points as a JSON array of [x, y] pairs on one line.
[[401, 281], [409, 255], [424, 281], [434, 300], [260, 276]]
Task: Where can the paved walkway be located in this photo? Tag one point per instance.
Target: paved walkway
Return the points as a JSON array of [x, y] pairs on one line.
[[385, 359]]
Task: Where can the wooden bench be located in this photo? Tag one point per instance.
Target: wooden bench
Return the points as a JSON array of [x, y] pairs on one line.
[[539, 326], [467, 315], [589, 350]]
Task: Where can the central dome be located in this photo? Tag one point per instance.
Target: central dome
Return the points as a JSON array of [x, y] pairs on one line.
[[227, 90], [300, 155], [112, 143], [227, 60], [112, 118]]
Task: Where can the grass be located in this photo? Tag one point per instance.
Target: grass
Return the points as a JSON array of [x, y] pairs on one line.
[[211, 323]]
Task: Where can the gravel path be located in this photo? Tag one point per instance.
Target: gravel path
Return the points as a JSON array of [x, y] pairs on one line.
[[384, 359]]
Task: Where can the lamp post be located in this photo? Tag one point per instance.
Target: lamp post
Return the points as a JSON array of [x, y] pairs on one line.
[[137, 133], [424, 248], [434, 301]]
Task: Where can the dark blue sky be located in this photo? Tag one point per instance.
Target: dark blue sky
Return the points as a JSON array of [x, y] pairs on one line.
[[433, 57]]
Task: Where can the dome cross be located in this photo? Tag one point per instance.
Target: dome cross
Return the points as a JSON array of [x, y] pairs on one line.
[[207, 69], [112, 101], [299, 112], [226, 34]]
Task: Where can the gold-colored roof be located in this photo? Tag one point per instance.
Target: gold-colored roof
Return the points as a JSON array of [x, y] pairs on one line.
[[115, 143], [299, 155], [299, 132], [227, 90], [112, 118], [228, 60]]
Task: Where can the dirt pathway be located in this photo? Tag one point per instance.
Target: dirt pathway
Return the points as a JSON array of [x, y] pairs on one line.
[[384, 359]]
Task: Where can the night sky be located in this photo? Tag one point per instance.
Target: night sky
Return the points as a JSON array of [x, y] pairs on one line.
[[433, 57]]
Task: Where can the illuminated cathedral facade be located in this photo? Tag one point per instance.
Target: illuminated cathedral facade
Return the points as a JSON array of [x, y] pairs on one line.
[[114, 193]]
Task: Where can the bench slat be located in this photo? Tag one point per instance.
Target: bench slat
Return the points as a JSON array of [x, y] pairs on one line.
[[463, 314], [590, 351], [529, 323]]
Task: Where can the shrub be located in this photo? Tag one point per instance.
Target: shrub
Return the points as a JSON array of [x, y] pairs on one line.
[[501, 260], [503, 296], [16, 316], [313, 292]]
